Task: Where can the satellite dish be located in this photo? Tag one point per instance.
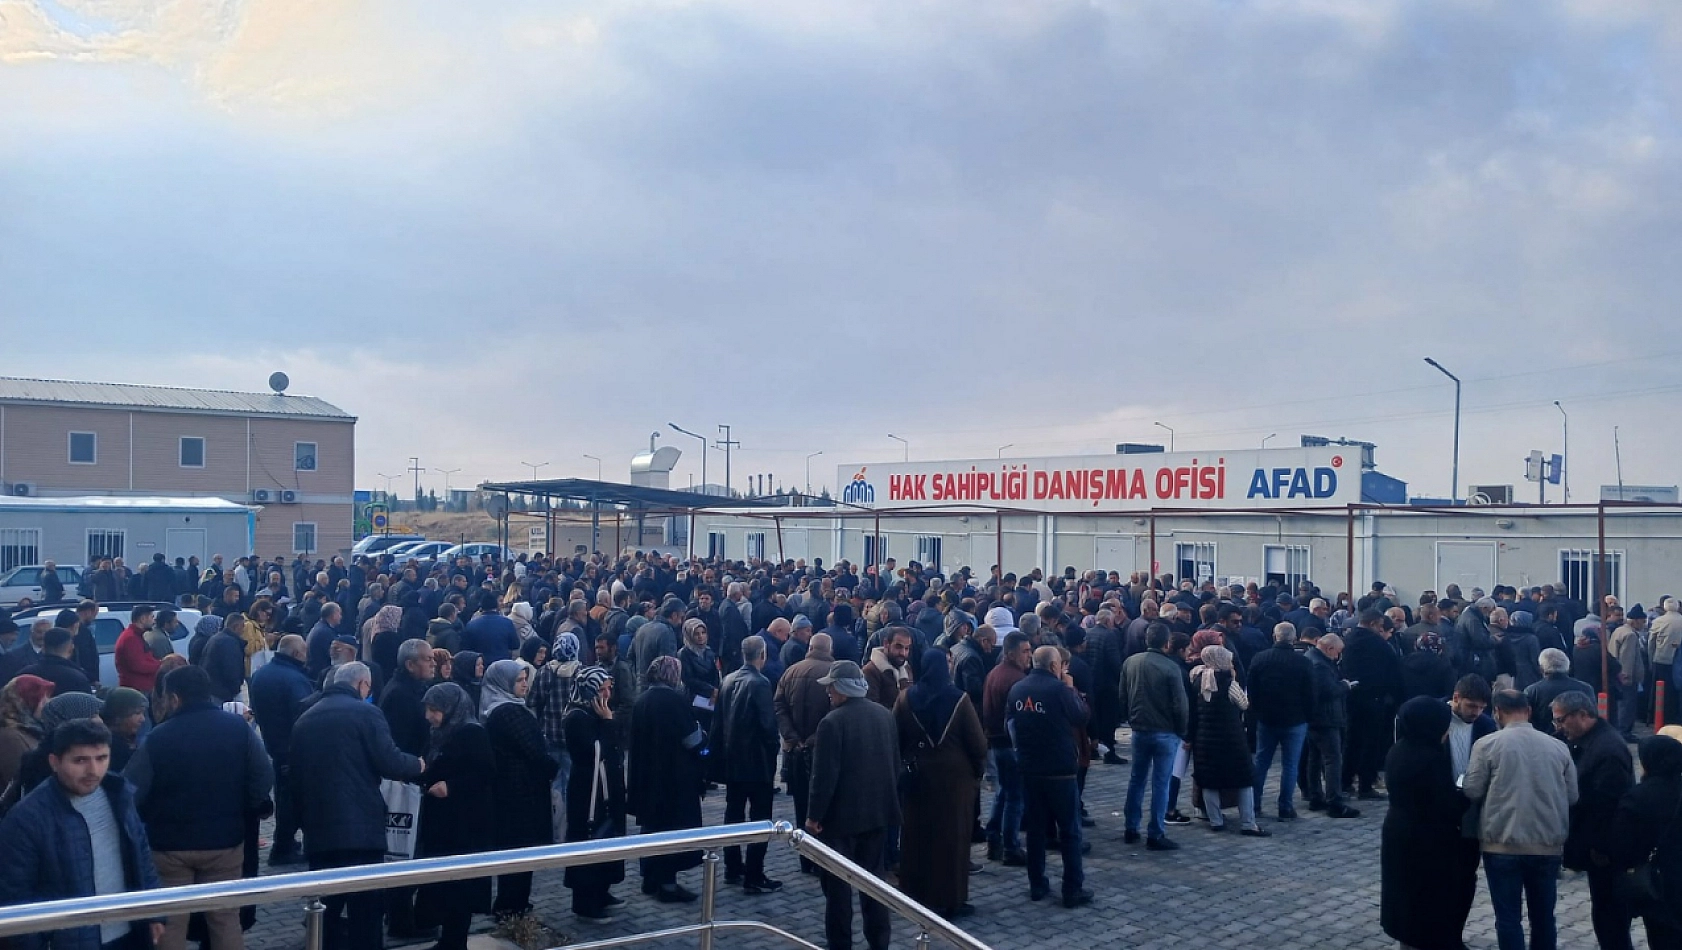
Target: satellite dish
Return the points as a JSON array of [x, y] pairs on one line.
[[278, 382]]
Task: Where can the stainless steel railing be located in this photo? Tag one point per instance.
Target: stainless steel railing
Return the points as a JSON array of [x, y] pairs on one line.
[[311, 886]]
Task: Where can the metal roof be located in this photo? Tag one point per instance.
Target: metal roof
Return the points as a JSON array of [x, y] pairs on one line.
[[170, 398], [618, 493], [121, 503]]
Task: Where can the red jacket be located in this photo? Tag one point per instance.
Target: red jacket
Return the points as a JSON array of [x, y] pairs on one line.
[[137, 668]]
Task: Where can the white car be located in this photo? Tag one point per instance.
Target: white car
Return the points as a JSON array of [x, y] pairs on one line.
[[111, 620], [475, 551], [25, 581], [375, 543], [420, 551]]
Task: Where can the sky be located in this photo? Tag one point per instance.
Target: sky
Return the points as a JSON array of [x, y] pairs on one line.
[[522, 231]]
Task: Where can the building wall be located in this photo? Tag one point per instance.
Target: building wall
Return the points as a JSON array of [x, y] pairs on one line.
[[64, 534], [34, 448]]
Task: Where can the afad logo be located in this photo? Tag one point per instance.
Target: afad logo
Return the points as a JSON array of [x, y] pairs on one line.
[[859, 491]]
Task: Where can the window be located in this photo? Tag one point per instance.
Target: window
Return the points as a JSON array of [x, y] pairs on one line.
[[875, 549], [928, 552], [84, 448], [1577, 569], [756, 545], [303, 537], [192, 451], [1195, 562], [19, 546], [715, 544], [303, 456], [1286, 565], [105, 542]]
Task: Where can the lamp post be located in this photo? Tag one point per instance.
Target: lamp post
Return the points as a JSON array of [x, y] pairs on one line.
[[1003, 447], [1272, 436], [446, 472], [388, 480], [1454, 490], [534, 467], [703, 441], [1170, 434], [904, 443], [809, 457], [1565, 427], [598, 465]]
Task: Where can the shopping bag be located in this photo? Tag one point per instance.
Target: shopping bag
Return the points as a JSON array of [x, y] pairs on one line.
[[402, 818]]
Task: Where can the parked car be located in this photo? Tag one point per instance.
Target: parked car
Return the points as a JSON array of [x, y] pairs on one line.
[[375, 543], [111, 620], [25, 581], [420, 551], [475, 551]]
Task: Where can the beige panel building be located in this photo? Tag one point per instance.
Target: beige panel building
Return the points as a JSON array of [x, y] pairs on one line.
[[294, 456]]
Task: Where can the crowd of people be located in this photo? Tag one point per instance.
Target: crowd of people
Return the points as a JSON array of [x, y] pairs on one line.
[[550, 699]]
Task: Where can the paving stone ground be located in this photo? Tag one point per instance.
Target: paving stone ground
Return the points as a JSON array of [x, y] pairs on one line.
[[1314, 884]]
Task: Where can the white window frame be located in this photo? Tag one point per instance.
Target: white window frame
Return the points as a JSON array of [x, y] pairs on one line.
[[181, 451], [20, 540], [929, 550], [754, 546], [1295, 555], [1617, 567], [1197, 547], [315, 456], [70, 448], [315, 538], [715, 544], [121, 534]]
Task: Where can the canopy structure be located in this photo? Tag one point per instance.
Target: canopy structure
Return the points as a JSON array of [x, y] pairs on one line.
[[641, 500]]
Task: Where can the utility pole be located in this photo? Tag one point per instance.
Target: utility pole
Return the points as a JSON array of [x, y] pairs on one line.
[[726, 444], [415, 466], [1618, 453], [1454, 492], [446, 472], [1565, 426]]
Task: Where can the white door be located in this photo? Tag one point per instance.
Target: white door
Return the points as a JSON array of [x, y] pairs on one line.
[[983, 554], [1115, 552], [795, 544], [184, 543], [1467, 563]]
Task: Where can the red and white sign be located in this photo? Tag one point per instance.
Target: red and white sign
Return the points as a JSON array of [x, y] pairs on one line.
[[1320, 477]]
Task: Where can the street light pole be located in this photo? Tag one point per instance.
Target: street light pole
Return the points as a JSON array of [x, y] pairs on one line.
[[1565, 425], [726, 443], [904, 443], [809, 457], [1454, 490], [703, 440], [534, 468], [1003, 447], [388, 480], [1170, 434], [446, 472], [598, 465], [1273, 436]]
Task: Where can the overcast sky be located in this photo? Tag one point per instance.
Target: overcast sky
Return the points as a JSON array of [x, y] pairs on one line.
[[521, 231]]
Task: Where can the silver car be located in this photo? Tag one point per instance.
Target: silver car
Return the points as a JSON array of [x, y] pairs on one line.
[[25, 581]]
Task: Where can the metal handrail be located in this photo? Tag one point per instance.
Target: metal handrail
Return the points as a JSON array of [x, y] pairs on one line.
[[311, 886]]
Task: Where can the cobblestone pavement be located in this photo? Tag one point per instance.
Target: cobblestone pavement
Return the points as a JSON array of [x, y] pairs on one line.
[[1314, 884]]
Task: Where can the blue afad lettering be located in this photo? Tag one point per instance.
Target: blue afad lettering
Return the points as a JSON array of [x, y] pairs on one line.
[[1290, 483]]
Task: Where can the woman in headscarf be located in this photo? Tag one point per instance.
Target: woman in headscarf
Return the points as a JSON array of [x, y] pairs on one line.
[[1648, 827], [701, 675], [1428, 870], [1220, 755], [468, 672], [207, 627], [534, 653], [595, 796], [520, 613], [524, 770], [551, 693], [379, 636], [666, 773], [1427, 670], [945, 754], [34, 768], [20, 726], [457, 813]]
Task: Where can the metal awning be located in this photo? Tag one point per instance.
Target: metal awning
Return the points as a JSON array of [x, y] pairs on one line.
[[587, 490]]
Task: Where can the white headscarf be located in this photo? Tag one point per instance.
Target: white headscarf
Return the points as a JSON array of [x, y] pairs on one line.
[[498, 686], [1216, 660]]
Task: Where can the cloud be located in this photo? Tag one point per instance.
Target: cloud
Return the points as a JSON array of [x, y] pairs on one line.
[[970, 224]]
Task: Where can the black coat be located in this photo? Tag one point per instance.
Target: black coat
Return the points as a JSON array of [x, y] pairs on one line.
[[747, 739], [1281, 687], [1429, 872], [405, 713], [1427, 674], [734, 629], [524, 771], [463, 821], [1604, 774], [666, 776], [1331, 693], [855, 770], [224, 660], [64, 674], [277, 694], [1369, 660], [1220, 756], [584, 732], [341, 749], [1648, 822]]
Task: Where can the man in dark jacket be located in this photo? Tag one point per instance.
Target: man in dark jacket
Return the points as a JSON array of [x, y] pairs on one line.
[[405, 714], [1329, 721], [1106, 652], [1556, 681], [196, 779], [278, 691], [1044, 715], [801, 703], [1153, 694], [1281, 701], [160, 580], [341, 749], [1472, 648], [1370, 662], [854, 799], [56, 666], [224, 660], [747, 739], [1604, 774], [319, 644], [733, 617], [1006, 818], [656, 638], [78, 835]]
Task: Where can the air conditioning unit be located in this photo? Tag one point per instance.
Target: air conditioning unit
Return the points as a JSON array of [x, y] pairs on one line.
[[1489, 495], [22, 490], [262, 496], [288, 496]]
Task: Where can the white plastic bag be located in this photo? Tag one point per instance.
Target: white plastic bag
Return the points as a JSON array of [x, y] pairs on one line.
[[402, 818]]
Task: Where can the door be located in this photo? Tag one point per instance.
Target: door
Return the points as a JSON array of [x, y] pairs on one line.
[[1467, 563], [1115, 552], [983, 554], [794, 544], [184, 543]]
